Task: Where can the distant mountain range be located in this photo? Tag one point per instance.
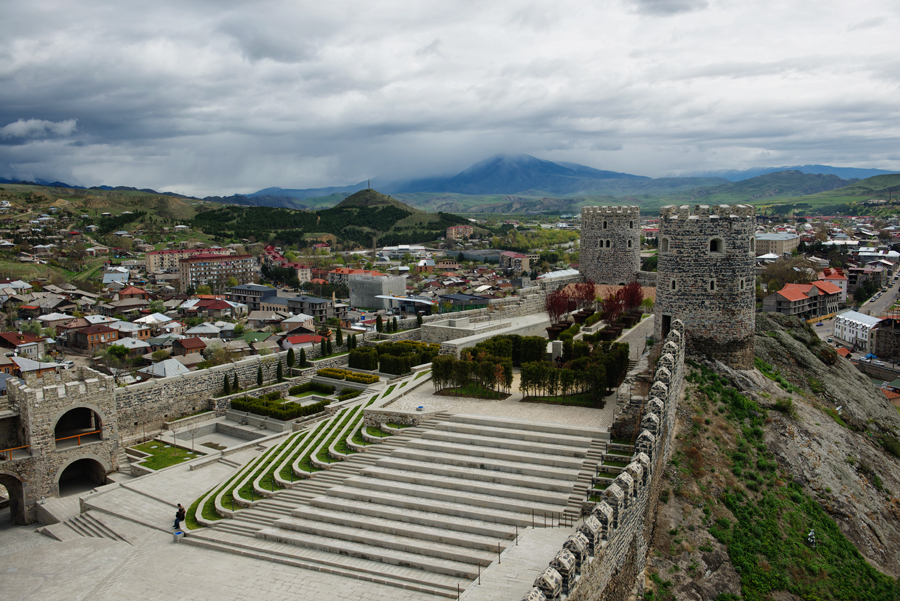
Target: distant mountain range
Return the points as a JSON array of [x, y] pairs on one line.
[[848, 173], [523, 183]]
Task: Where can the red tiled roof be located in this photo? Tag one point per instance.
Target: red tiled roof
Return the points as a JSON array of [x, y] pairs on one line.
[[827, 287], [792, 295], [804, 288], [304, 338], [97, 329], [843, 352], [191, 343]]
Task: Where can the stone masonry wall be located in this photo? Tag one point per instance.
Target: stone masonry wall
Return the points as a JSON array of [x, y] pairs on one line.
[[610, 251], [624, 519], [706, 279]]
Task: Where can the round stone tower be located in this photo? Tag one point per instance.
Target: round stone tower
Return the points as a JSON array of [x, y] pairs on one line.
[[610, 244], [706, 279]]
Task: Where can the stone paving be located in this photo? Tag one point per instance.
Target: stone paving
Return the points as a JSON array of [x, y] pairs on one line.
[[511, 407]]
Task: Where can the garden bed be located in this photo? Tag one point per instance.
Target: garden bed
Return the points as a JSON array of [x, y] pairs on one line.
[[162, 455], [473, 390]]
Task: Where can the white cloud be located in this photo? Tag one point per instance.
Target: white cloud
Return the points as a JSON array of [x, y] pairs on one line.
[[38, 128], [215, 98]]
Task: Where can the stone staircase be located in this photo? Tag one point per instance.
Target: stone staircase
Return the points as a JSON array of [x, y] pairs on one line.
[[85, 524], [427, 509]]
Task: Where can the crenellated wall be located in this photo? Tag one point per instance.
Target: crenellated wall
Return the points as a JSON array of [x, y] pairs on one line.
[[619, 527]]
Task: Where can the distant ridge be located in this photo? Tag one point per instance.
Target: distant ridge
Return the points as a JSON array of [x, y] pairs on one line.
[[847, 173]]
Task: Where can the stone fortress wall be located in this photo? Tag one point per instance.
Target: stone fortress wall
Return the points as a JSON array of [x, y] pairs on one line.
[[610, 251], [617, 534], [41, 403], [706, 278]]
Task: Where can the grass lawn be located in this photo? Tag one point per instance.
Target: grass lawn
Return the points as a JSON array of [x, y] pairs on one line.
[[627, 441], [610, 475], [397, 426], [372, 431], [420, 374], [577, 400], [389, 390], [162, 455], [474, 390], [615, 463], [620, 453], [303, 394]]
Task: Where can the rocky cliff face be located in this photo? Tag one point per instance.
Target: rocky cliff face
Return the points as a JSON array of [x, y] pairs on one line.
[[763, 457]]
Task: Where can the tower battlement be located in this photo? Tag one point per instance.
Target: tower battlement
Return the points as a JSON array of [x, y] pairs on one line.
[[610, 243]]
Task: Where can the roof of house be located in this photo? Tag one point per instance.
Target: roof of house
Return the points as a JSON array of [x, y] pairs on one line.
[[826, 287], [304, 339], [843, 352], [16, 339], [97, 329], [792, 294], [192, 343], [166, 369], [131, 290]]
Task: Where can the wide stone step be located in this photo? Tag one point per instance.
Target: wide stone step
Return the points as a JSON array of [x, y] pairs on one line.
[[470, 486], [477, 472], [406, 529], [246, 515], [505, 443], [527, 435], [340, 565], [439, 446], [235, 527], [386, 540], [447, 567], [461, 507], [411, 516], [514, 424], [504, 466]]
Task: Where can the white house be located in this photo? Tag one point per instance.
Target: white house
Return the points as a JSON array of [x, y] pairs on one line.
[[855, 329]]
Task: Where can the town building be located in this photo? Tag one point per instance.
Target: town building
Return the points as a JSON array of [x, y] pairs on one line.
[[837, 277], [855, 329], [886, 339], [249, 294], [456, 232], [365, 290], [818, 300], [24, 344], [168, 260], [518, 262], [93, 337], [778, 243], [215, 271]]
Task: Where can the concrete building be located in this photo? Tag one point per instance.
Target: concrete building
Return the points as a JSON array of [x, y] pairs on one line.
[[780, 244], [706, 279], [838, 278], [215, 270], [818, 300], [249, 294], [456, 232], [855, 329], [518, 262], [610, 244], [364, 290], [167, 260]]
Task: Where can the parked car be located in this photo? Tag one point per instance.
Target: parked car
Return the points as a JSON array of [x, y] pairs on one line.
[[820, 324], [68, 364]]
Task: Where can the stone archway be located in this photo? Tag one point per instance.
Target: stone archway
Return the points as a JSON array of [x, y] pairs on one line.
[[16, 491], [80, 475], [77, 425]]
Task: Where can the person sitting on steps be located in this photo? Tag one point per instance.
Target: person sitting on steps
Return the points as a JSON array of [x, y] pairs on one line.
[[179, 516]]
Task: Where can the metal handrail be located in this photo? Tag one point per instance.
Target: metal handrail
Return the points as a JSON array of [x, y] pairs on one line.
[[10, 450], [78, 436]]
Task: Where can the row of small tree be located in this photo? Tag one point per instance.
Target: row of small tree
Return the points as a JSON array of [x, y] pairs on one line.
[[492, 373], [391, 325], [597, 373]]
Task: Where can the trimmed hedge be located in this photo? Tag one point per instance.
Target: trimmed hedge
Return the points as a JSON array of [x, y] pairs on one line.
[[593, 319], [364, 358], [343, 374], [316, 386], [349, 393], [276, 408], [400, 357]]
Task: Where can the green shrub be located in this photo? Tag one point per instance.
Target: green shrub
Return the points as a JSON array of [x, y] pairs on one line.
[[891, 445], [364, 358], [343, 374], [349, 393], [314, 386], [275, 408]]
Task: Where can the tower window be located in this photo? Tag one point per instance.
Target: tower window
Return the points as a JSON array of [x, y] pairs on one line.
[[674, 285], [712, 285], [607, 244], [743, 284], [717, 246], [629, 244], [631, 225], [604, 225], [664, 245], [753, 245]]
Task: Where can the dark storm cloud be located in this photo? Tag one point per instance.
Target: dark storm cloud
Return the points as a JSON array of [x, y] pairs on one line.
[[219, 97]]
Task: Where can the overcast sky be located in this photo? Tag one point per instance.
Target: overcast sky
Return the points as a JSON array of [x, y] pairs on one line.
[[224, 96]]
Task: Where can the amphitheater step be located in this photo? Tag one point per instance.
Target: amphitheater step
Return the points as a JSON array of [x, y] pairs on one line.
[[481, 463], [500, 516], [441, 535], [479, 473], [460, 448], [237, 527], [229, 462], [543, 427], [522, 493], [386, 541], [414, 517], [504, 443], [517, 434], [456, 569], [342, 565]]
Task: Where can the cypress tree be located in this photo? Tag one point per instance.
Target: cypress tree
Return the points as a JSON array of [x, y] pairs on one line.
[[419, 319], [290, 357], [259, 377], [340, 338], [235, 386], [279, 372], [227, 387], [395, 325], [322, 352], [379, 325], [328, 346], [303, 357]]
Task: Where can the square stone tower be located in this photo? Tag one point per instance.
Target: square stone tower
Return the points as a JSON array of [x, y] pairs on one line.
[[610, 250]]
